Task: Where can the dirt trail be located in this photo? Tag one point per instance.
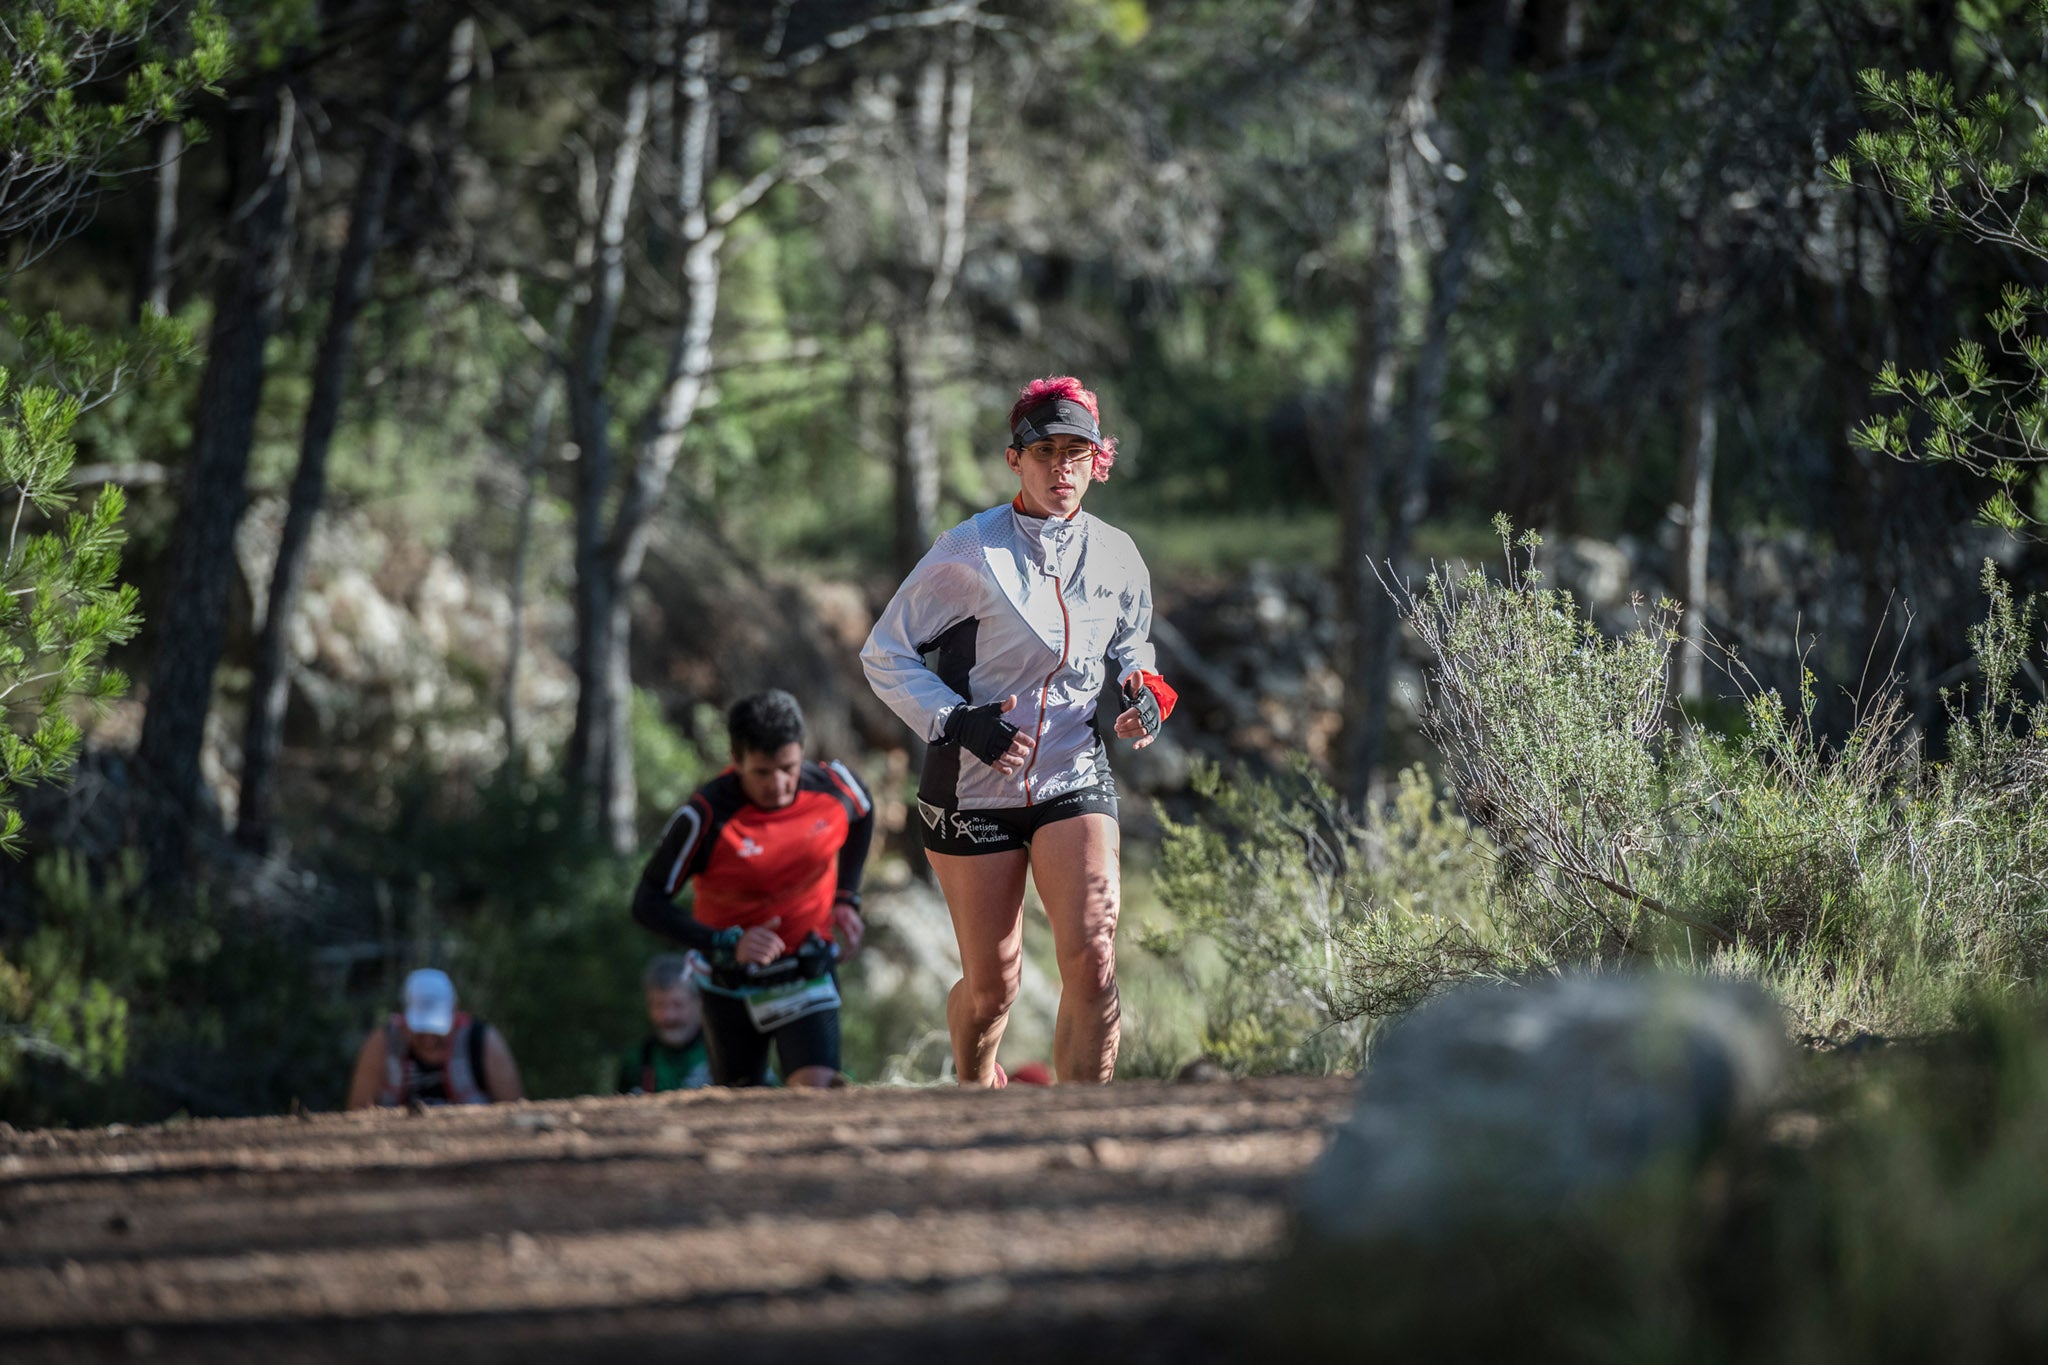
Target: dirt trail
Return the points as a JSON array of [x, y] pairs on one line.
[[1032, 1224]]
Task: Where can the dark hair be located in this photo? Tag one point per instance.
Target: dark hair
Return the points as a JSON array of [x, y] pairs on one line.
[[764, 722]]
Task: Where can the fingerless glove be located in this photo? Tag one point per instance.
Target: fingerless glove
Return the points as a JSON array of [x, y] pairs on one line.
[[980, 730], [1143, 702]]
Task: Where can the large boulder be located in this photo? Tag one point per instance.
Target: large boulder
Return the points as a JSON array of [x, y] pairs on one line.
[[1500, 1104]]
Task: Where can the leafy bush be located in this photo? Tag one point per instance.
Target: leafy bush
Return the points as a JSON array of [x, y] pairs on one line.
[[1319, 921], [110, 1009], [1871, 889], [84, 81], [528, 914], [57, 1001]]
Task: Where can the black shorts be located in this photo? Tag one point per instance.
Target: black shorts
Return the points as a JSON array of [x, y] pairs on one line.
[[738, 1052], [1000, 831]]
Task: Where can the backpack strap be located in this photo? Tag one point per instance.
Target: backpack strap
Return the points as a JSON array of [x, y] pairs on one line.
[[477, 1029], [647, 1076]]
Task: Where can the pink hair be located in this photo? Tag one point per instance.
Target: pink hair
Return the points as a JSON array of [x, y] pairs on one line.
[[1067, 387]]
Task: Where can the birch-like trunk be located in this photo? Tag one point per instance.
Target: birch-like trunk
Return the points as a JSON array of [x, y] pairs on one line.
[[153, 286], [1407, 498], [1407, 495], [659, 435], [934, 188], [609, 557], [1696, 509], [590, 425], [1367, 458], [263, 728]]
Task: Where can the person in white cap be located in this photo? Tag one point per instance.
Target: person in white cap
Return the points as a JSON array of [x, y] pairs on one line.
[[431, 1053]]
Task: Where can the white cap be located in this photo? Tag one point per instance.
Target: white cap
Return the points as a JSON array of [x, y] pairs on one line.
[[429, 1001]]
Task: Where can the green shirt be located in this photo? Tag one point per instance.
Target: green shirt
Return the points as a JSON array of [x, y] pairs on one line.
[[672, 1068]]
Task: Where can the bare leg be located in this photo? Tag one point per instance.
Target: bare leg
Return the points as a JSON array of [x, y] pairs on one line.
[[985, 895], [1075, 864], [812, 1078]]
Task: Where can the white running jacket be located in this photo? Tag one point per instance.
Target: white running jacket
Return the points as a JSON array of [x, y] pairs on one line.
[[1005, 603]]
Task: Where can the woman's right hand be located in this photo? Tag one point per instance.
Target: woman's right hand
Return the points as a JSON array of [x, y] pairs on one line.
[[979, 730], [760, 945]]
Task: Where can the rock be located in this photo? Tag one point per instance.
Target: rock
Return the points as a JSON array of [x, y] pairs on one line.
[[397, 645], [1160, 767], [1497, 1105], [1597, 573]]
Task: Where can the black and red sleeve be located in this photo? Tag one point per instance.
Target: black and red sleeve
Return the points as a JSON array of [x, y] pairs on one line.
[[684, 849], [838, 779]]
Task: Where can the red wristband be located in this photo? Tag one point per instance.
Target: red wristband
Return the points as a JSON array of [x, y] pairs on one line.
[[1162, 691]]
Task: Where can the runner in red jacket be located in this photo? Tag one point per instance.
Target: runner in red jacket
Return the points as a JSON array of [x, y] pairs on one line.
[[775, 846]]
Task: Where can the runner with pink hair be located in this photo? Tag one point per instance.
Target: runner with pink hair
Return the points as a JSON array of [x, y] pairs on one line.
[[995, 650]]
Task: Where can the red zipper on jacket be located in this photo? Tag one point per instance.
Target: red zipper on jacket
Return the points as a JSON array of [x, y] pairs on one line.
[[1066, 634]]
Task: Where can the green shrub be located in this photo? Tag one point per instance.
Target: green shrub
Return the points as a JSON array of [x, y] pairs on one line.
[[1317, 922], [1871, 889], [111, 1009], [532, 918], [64, 984]]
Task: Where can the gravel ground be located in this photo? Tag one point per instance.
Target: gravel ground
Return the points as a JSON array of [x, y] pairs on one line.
[[1134, 1222]]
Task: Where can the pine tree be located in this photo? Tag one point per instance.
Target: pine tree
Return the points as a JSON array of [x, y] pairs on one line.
[[1973, 169], [82, 82]]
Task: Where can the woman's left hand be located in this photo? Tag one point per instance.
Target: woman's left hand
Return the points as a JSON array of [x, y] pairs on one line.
[[1130, 725]]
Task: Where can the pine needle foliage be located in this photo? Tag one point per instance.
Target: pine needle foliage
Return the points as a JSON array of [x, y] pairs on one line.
[[60, 606], [1972, 170], [81, 83]]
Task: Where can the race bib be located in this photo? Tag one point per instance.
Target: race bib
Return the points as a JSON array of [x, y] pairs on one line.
[[773, 1006]]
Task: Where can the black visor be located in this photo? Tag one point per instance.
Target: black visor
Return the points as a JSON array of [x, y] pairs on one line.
[[1060, 416]]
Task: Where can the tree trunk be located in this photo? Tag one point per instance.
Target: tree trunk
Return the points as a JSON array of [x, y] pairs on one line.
[[153, 287], [1367, 438], [938, 170], [659, 434], [270, 688], [459, 71], [539, 429], [590, 424], [1537, 471], [1408, 499], [609, 560], [1366, 460], [917, 452], [192, 621], [1696, 508]]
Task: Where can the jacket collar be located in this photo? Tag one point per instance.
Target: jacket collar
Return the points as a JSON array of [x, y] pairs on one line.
[[1024, 556]]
